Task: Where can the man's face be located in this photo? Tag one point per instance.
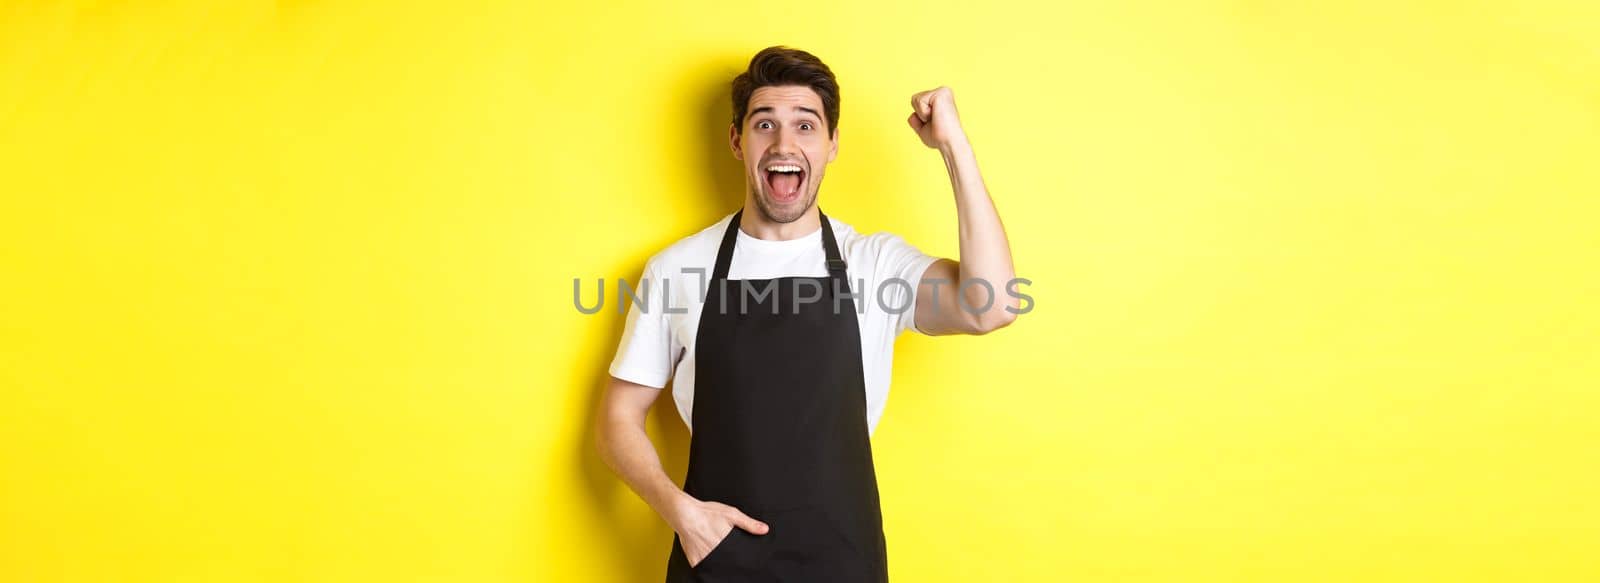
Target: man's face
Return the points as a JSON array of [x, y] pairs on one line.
[[785, 148]]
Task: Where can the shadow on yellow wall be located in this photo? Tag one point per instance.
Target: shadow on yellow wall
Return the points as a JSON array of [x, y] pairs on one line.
[[641, 554]]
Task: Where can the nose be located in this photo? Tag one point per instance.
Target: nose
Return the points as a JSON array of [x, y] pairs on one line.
[[787, 143]]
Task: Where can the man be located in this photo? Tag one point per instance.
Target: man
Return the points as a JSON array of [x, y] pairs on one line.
[[779, 370]]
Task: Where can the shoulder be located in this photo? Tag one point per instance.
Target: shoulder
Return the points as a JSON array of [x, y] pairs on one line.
[[695, 251], [878, 254], [853, 243], [867, 245]]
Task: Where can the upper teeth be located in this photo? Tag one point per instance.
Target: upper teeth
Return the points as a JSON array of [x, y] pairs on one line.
[[783, 168]]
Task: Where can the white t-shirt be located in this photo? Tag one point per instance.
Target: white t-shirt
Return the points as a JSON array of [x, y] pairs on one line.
[[658, 344]]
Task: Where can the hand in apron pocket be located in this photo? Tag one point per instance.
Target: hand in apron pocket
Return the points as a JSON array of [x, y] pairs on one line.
[[739, 553]]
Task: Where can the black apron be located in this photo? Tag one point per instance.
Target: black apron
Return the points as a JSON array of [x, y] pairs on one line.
[[780, 429]]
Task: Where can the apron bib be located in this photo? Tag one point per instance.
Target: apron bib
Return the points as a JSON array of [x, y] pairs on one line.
[[780, 429]]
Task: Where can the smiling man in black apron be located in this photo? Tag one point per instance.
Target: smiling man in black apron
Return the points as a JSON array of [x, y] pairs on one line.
[[776, 326]]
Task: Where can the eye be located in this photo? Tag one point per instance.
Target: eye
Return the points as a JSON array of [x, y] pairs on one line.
[[764, 124], [805, 125]]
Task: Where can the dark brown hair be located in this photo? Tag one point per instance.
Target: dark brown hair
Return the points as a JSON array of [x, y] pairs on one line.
[[780, 65]]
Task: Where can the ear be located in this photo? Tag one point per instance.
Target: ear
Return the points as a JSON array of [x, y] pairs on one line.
[[833, 146], [733, 142]]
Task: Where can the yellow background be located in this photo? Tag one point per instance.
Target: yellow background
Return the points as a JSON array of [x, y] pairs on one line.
[[287, 288]]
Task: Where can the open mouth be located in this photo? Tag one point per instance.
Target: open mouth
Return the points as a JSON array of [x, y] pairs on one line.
[[784, 181]]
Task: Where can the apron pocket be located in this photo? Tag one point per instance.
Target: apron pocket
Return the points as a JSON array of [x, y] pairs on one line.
[[739, 552]]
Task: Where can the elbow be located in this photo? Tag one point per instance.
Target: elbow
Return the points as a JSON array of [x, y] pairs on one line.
[[991, 320], [598, 441], [605, 429], [605, 444]]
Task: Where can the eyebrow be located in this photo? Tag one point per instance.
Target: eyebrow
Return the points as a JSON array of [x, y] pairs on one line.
[[769, 109]]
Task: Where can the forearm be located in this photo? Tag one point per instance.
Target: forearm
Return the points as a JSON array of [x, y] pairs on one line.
[[626, 448], [985, 252]]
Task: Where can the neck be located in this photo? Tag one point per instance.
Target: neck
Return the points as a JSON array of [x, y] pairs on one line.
[[754, 223]]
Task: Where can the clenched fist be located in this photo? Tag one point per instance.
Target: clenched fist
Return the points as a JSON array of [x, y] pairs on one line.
[[933, 116]]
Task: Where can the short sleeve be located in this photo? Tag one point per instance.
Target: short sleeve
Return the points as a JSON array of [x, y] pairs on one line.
[[644, 353], [899, 261]]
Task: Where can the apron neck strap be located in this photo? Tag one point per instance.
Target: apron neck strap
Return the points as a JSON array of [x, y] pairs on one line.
[[835, 262]]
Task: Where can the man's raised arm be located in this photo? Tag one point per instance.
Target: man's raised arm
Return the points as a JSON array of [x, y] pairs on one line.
[[969, 296]]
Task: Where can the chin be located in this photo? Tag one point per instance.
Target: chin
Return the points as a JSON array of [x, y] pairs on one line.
[[784, 212]]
